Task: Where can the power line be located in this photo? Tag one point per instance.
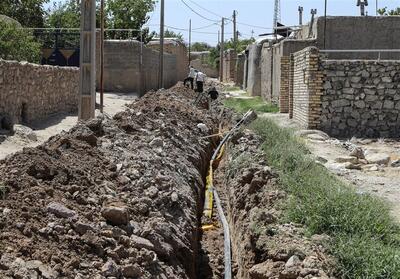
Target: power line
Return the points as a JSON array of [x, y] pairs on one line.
[[200, 15], [254, 26], [204, 27], [198, 32], [211, 12]]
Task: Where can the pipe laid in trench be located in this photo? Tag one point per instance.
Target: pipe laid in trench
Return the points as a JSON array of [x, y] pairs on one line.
[[211, 192]]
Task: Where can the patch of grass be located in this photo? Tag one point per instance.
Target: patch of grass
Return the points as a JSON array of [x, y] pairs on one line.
[[256, 103], [231, 88], [366, 240]]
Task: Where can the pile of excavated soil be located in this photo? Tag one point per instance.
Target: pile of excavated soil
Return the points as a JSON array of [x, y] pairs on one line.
[[112, 198], [263, 246]]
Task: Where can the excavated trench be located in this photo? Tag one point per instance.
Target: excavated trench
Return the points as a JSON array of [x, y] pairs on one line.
[[123, 198]]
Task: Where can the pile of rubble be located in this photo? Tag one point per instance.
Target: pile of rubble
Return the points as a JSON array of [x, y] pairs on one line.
[[112, 198]]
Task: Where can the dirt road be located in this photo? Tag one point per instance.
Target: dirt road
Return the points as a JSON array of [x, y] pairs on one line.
[[114, 102]]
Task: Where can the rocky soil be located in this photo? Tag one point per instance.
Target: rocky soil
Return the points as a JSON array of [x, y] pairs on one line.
[[112, 198], [264, 246]]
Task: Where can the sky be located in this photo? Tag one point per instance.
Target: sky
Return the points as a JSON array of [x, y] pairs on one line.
[[258, 13]]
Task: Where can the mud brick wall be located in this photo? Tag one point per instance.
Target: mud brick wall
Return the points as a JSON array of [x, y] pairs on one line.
[[361, 98], [253, 84], [307, 88], [123, 71], [229, 60], [30, 92], [239, 71]]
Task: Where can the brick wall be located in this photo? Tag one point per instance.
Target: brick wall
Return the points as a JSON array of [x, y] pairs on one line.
[[30, 92], [307, 88], [285, 84]]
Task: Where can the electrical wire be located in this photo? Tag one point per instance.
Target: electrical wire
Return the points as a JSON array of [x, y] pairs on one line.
[[204, 27], [211, 12], [200, 15]]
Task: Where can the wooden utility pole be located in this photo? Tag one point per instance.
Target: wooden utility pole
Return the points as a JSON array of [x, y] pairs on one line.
[[87, 77], [221, 59], [102, 56], [190, 41], [235, 37], [161, 73]]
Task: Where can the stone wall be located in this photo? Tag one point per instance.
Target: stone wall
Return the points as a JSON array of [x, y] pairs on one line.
[[361, 98], [345, 98], [307, 88], [30, 92]]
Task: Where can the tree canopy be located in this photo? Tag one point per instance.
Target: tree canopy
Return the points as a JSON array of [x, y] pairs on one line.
[[18, 44], [387, 12], [30, 13]]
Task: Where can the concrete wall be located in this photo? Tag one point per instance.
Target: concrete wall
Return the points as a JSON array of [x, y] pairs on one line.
[[122, 69], [30, 92], [357, 32], [254, 70], [361, 98]]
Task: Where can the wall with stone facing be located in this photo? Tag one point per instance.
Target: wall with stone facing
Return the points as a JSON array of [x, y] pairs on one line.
[[361, 98], [307, 88], [30, 92]]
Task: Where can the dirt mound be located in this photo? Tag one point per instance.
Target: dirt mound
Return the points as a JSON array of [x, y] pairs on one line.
[[113, 198], [263, 245]]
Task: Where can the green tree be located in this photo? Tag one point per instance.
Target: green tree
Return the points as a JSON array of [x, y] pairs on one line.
[[240, 46], [30, 13], [172, 34], [385, 11], [64, 15], [18, 44], [200, 46]]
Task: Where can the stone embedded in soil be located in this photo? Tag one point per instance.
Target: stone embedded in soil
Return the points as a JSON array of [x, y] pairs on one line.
[[60, 210], [157, 142], [140, 242], [110, 269], [131, 271], [377, 158], [347, 159], [116, 213], [358, 152]]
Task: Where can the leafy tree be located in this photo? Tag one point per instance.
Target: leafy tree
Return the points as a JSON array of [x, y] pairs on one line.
[[64, 15], [128, 14], [200, 46], [18, 44], [240, 46], [119, 14], [30, 13], [172, 34], [386, 12]]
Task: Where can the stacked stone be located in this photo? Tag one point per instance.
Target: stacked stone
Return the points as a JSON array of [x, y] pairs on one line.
[[361, 98], [30, 92]]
